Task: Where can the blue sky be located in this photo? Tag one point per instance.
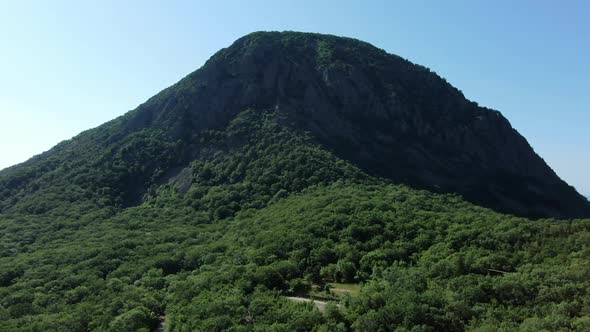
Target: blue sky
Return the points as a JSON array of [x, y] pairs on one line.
[[66, 66]]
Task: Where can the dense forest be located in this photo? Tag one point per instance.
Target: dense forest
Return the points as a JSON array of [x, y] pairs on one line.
[[266, 214], [296, 182]]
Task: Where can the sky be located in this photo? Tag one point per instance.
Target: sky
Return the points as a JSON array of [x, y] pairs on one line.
[[67, 66]]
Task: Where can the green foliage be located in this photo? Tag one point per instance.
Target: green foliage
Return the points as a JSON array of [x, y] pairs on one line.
[[136, 319], [78, 176], [262, 213]]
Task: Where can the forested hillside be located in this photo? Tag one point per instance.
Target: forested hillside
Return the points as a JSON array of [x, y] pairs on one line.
[[266, 213], [295, 167]]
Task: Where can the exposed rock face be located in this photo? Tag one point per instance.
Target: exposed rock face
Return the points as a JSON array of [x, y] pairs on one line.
[[390, 117]]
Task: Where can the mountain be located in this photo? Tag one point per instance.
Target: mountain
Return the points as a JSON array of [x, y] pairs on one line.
[[294, 165], [391, 118]]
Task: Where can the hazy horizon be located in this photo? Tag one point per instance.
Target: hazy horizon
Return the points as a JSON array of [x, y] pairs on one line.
[[68, 67]]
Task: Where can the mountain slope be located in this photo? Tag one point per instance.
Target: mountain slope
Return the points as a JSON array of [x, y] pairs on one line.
[[389, 117], [264, 212], [288, 163]]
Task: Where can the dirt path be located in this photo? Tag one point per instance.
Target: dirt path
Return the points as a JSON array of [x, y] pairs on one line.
[[321, 305], [342, 290]]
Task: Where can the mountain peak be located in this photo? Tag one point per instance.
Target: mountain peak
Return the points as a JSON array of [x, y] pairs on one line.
[[391, 118]]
